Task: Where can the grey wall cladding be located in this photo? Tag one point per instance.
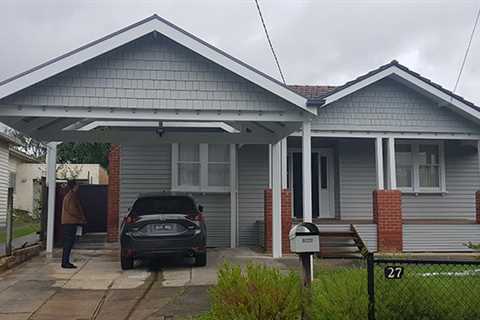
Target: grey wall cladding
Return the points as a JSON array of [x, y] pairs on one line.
[[145, 169], [390, 106], [252, 181], [150, 73], [462, 181]]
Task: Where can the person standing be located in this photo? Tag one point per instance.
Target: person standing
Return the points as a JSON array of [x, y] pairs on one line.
[[72, 217]]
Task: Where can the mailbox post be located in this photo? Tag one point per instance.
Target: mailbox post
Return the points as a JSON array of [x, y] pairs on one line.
[[305, 241]]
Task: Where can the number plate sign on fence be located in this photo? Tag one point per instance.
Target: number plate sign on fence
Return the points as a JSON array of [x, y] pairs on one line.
[[423, 289], [393, 272]]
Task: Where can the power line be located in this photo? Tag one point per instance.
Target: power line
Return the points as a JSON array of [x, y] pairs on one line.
[[270, 42], [467, 51]]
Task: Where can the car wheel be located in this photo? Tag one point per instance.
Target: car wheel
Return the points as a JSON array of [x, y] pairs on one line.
[[201, 259], [126, 261]]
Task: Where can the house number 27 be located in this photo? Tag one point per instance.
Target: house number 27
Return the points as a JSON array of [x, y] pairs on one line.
[[393, 272]]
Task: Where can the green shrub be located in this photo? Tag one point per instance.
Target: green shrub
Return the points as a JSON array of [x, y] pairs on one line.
[[258, 292], [339, 293]]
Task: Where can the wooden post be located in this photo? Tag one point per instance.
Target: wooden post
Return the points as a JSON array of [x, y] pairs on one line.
[[9, 226], [43, 212], [306, 264], [306, 269]]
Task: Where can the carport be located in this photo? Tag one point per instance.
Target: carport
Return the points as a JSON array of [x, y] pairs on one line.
[[154, 83]]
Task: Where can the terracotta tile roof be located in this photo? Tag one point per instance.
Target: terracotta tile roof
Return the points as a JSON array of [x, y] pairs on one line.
[[311, 91]]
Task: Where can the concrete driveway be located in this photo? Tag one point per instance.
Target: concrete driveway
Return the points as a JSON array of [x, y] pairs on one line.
[[98, 289]]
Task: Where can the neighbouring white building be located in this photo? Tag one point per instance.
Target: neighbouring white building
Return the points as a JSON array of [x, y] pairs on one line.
[[26, 174]]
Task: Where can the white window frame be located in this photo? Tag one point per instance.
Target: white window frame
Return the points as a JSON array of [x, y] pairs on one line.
[[414, 145], [203, 187]]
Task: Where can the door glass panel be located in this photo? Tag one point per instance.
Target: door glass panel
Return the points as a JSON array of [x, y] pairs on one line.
[[323, 172], [315, 185]]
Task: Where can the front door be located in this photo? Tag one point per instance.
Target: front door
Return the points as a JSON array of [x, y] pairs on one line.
[[323, 204]]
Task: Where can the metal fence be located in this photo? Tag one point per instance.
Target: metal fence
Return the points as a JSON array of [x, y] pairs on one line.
[[423, 289]]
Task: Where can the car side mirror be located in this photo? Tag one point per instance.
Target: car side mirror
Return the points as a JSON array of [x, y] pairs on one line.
[[200, 208]]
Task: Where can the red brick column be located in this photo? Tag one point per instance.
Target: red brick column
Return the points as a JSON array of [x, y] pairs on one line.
[[387, 214], [477, 206], [113, 193], [286, 219]]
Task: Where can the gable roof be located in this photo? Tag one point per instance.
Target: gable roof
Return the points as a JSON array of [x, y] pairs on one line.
[[403, 74], [135, 31]]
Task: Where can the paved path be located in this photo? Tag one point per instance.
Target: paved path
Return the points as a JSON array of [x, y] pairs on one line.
[[98, 289], [19, 242]]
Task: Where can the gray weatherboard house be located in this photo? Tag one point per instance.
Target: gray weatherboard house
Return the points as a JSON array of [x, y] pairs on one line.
[[190, 118]]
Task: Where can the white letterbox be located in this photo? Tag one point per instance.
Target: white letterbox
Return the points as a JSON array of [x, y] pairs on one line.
[[304, 238]]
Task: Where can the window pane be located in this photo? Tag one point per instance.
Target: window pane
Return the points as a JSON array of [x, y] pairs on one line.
[[218, 175], [218, 153], [188, 152], [188, 174], [404, 165], [404, 176], [428, 154], [429, 176]]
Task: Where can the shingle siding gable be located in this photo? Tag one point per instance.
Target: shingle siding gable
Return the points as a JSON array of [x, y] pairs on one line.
[[151, 73], [390, 106]]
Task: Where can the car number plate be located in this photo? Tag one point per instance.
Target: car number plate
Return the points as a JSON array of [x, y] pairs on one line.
[[162, 227]]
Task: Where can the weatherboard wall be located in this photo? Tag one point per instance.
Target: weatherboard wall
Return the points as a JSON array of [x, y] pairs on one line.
[[146, 169], [4, 182]]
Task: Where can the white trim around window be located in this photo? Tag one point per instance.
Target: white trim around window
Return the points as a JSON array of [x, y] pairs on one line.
[[204, 164], [414, 147]]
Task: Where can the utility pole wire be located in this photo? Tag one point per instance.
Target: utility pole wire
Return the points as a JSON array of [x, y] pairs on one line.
[[468, 50], [270, 43]]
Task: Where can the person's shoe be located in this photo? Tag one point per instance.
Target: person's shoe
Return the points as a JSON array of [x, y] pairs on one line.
[[68, 266]]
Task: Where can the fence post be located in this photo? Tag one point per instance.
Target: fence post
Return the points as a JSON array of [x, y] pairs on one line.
[[9, 224], [43, 211], [371, 286]]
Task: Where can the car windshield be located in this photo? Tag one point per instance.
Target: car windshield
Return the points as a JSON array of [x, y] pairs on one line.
[[164, 204]]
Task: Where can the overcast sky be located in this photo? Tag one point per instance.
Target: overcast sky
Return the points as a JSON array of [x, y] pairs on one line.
[[318, 42]]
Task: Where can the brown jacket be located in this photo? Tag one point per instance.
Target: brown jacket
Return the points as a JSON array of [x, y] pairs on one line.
[[72, 212]]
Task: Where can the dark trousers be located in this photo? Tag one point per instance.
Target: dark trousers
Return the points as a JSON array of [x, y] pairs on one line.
[[69, 237]]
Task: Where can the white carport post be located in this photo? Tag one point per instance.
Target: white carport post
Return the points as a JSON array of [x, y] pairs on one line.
[[307, 170], [307, 176], [51, 182], [276, 199]]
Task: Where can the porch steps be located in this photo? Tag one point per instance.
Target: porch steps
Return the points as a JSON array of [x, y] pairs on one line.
[[341, 244]]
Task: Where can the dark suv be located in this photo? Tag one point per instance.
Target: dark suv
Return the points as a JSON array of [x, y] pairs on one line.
[[160, 225]]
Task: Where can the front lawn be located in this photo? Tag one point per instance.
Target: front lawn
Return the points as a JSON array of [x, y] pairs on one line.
[[21, 230]]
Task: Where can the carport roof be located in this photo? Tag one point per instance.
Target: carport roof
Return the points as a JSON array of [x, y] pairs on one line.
[[151, 24]]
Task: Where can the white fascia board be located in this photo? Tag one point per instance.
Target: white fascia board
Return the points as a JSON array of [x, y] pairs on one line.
[[437, 93], [396, 135], [220, 125], [357, 86], [407, 77], [137, 124], [76, 58], [154, 124], [138, 31], [100, 113]]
